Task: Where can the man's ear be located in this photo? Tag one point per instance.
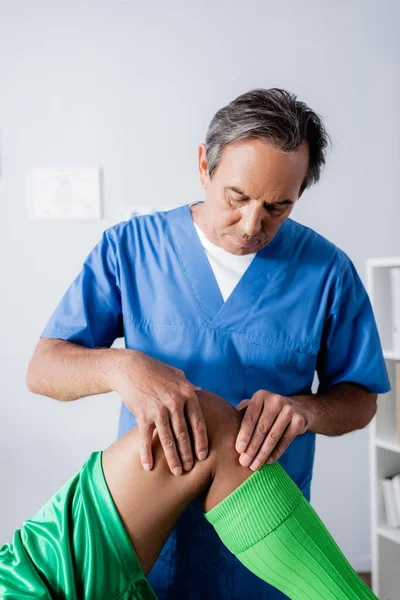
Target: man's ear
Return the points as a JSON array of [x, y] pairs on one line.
[[203, 166]]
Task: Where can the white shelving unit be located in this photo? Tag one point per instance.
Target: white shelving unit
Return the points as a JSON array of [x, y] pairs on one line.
[[384, 437]]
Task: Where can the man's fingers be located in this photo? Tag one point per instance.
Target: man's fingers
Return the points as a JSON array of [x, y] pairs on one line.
[[182, 437], [249, 422], [168, 442], [146, 437], [198, 427], [262, 429], [242, 404], [287, 438], [295, 428], [279, 436]]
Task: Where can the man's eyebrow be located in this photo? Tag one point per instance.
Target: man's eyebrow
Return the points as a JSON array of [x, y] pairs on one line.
[[235, 189]]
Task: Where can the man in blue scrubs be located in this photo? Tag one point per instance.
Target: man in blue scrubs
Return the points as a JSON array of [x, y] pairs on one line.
[[233, 296]]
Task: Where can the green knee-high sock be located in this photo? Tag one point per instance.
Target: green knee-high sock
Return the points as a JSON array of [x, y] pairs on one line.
[[274, 531]]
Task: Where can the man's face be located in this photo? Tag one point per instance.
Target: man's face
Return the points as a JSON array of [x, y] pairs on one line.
[[252, 192]]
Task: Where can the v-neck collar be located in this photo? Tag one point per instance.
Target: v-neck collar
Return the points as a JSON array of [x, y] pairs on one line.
[[231, 313], [220, 254]]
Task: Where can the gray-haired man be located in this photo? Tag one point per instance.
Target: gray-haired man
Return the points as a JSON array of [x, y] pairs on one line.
[[232, 296]]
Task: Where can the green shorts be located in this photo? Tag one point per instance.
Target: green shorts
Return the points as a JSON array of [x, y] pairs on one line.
[[75, 548]]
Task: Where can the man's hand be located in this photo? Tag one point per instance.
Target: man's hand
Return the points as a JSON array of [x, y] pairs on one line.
[[161, 397], [270, 424]]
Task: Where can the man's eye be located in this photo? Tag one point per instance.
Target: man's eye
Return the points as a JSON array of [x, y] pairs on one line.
[[236, 198], [275, 210]]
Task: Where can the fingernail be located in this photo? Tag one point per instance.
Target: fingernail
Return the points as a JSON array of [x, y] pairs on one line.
[[241, 447], [187, 466], [177, 471], [254, 466], [245, 460], [147, 467], [202, 455], [270, 461]]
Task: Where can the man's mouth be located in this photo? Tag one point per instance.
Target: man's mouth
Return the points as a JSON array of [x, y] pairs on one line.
[[245, 243]]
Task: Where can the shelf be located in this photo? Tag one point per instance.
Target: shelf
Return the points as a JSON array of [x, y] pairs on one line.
[[383, 285], [390, 261], [390, 533], [387, 445], [389, 355]]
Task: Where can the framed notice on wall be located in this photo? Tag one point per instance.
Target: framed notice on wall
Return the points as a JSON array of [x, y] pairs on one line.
[[63, 193]]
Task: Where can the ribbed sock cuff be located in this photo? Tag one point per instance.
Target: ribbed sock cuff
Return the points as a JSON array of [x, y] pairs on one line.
[[255, 508]]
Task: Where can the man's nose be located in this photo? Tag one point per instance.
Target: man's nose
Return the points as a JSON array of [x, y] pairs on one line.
[[251, 220]]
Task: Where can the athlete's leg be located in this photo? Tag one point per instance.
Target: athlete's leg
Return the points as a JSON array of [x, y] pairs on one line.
[[79, 547], [261, 517], [150, 503]]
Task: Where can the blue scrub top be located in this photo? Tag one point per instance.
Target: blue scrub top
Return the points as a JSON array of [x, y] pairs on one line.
[[300, 307]]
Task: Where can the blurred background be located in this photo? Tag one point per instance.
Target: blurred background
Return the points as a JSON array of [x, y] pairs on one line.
[[131, 87]]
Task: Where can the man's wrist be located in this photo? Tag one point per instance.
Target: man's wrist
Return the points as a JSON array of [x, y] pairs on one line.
[[342, 408], [306, 406], [114, 367]]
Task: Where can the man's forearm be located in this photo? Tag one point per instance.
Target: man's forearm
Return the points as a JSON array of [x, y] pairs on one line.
[[67, 371], [341, 409]]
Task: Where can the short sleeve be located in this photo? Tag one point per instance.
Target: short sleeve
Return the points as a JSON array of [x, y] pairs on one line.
[[90, 312], [350, 347]]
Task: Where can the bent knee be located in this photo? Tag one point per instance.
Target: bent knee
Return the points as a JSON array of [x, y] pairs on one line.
[[222, 422]]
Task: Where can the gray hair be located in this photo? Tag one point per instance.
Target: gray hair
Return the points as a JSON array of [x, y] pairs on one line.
[[275, 116]]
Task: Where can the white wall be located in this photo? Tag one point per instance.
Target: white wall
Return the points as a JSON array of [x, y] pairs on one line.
[[131, 86]]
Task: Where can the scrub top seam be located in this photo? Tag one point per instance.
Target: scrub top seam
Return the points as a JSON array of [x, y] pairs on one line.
[[267, 285], [58, 328], [187, 275], [271, 341], [257, 302], [55, 330]]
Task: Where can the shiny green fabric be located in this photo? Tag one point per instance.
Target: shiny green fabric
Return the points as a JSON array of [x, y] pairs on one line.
[[75, 548]]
